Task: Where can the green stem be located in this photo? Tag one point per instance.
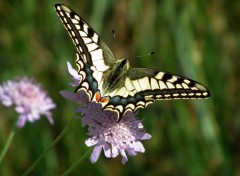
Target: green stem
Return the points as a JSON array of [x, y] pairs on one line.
[[9, 141], [64, 131], [77, 163]]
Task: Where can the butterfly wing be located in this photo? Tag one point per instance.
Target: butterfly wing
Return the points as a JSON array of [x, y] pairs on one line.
[[86, 40], [93, 55], [143, 86]]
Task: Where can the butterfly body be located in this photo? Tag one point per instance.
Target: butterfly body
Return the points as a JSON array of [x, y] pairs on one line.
[[112, 79], [121, 87]]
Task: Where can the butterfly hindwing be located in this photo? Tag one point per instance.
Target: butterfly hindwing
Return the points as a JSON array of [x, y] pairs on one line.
[[164, 85], [143, 86]]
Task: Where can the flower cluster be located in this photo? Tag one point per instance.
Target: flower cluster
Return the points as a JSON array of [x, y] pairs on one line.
[[30, 100], [105, 133]]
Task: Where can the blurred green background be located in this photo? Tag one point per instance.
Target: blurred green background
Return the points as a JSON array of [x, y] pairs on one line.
[[198, 39]]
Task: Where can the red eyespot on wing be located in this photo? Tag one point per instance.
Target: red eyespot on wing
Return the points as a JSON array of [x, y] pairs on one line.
[[104, 100]]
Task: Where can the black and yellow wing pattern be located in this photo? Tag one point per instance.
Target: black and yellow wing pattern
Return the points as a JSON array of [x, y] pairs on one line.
[[119, 87]]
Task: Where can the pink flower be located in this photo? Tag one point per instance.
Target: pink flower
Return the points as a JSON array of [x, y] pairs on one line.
[[105, 133], [30, 100]]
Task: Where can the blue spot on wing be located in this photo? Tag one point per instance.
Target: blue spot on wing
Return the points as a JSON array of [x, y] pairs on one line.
[[119, 100], [90, 79]]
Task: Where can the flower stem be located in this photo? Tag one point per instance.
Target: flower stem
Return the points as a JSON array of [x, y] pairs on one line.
[[9, 141], [77, 163], [64, 131]]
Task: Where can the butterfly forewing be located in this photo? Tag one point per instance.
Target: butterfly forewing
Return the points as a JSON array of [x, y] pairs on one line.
[[92, 49], [126, 88], [93, 55]]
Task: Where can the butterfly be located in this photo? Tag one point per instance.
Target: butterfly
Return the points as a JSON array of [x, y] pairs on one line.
[[112, 81]]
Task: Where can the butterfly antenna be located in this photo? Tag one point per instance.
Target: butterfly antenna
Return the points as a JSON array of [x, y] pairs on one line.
[[115, 37], [149, 54]]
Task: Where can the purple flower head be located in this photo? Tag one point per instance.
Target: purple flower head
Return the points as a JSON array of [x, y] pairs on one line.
[[30, 100], [105, 133], [113, 137]]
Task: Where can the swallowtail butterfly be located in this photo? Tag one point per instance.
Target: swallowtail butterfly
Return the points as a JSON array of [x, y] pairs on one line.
[[112, 81]]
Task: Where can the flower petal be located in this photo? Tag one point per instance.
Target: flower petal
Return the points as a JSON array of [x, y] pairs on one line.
[[95, 154], [21, 121], [131, 152], [138, 147], [73, 72], [80, 97], [115, 151], [107, 151], [145, 136], [90, 142], [124, 157]]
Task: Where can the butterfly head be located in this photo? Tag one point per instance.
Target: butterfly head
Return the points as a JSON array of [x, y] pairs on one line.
[[121, 65]]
